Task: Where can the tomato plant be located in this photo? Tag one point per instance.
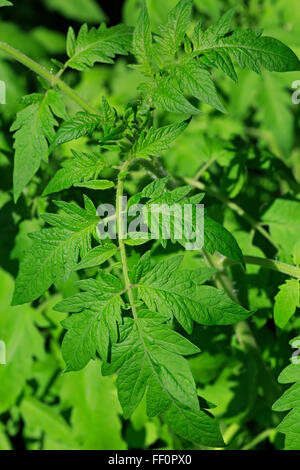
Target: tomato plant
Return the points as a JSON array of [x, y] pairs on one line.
[[155, 219]]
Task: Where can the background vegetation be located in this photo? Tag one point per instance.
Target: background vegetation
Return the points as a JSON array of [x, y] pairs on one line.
[[249, 162]]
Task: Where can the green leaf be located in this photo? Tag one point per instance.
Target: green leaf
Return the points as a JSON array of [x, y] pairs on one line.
[[276, 116], [71, 42], [217, 238], [82, 167], [150, 354], [96, 184], [290, 401], [171, 99], [147, 340], [98, 45], [90, 330], [55, 251], [172, 33], [170, 291], [249, 49], [222, 26], [286, 302], [154, 141], [34, 130], [155, 189], [142, 41], [5, 3], [81, 125], [195, 427], [196, 81], [296, 253], [283, 218], [95, 415], [97, 256]]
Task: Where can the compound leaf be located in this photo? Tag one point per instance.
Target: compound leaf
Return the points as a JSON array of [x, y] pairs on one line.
[[97, 45], [142, 41], [171, 99], [55, 251], [81, 167], [154, 141], [171, 291], [97, 256], [217, 238], [95, 322], [81, 125], [196, 81], [172, 33], [249, 49], [286, 302]]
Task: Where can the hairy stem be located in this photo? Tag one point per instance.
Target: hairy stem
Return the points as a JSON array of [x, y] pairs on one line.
[[53, 80], [120, 191]]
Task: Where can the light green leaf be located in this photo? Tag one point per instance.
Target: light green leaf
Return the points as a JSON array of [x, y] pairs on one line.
[[276, 116], [81, 125], [217, 238], [34, 130], [296, 253], [170, 291], [172, 33], [95, 184], [97, 256], [249, 49], [171, 99], [286, 302], [142, 40], [195, 427], [90, 331], [196, 81], [150, 353], [147, 345], [44, 417], [154, 141], [55, 251], [5, 3], [283, 218], [98, 45], [71, 42], [82, 166]]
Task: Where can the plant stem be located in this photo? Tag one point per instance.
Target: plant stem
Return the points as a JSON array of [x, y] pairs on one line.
[[274, 265], [54, 80], [234, 207], [120, 190]]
